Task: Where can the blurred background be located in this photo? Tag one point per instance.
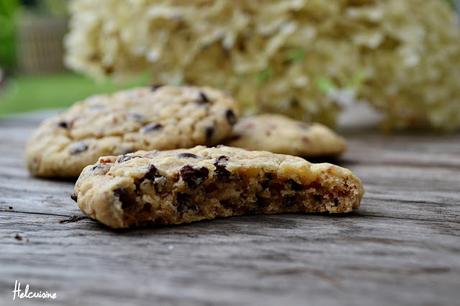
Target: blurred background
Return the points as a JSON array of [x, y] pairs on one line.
[[32, 73]]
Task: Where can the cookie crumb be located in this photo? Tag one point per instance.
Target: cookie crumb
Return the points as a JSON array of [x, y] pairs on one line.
[[74, 196]]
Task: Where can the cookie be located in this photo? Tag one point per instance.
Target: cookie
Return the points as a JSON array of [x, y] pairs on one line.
[[159, 117], [280, 134], [187, 185]]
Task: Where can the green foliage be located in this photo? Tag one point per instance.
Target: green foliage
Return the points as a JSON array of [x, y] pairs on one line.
[[27, 93], [8, 9]]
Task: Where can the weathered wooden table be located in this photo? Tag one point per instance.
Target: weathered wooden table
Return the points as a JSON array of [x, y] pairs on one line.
[[402, 247]]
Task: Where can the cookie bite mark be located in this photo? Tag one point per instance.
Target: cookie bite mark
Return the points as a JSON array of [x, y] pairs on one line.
[[221, 182]]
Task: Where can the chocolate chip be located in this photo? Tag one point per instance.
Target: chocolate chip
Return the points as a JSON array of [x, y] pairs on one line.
[[63, 125], [221, 171], [209, 131], [336, 202], [222, 159], [289, 200], [228, 203], [187, 155], [294, 185], [77, 148], [154, 87], [135, 117], [184, 203], [317, 198], [147, 208], [152, 173], [159, 181], [315, 185], [125, 198], [126, 157], [74, 196], [231, 117], [268, 177], [193, 176], [262, 202], [151, 127], [203, 98]]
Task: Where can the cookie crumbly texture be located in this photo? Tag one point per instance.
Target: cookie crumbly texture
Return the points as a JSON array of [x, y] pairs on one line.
[[280, 134], [187, 185], [156, 117]]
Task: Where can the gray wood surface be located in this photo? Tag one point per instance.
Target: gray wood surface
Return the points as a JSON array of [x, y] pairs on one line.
[[402, 247]]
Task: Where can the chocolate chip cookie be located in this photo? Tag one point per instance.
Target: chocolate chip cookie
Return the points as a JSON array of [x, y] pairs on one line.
[[159, 117], [280, 134], [186, 185]]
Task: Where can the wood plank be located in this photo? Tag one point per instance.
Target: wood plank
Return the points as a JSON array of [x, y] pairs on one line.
[[401, 248]]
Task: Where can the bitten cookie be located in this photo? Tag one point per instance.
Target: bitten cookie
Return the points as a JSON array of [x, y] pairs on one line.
[[162, 118], [186, 185], [280, 134]]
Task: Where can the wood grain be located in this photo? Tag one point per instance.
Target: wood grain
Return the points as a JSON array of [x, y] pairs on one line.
[[401, 248]]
